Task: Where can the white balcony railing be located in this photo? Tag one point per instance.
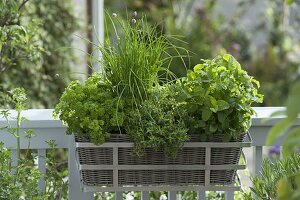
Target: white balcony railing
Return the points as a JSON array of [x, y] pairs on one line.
[[46, 128]]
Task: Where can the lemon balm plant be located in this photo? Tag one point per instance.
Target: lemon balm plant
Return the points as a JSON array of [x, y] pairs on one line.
[[217, 96]]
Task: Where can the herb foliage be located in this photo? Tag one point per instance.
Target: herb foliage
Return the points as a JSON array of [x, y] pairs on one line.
[[157, 123], [134, 57], [278, 179], [91, 109], [218, 95], [20, 180], [129, 95]]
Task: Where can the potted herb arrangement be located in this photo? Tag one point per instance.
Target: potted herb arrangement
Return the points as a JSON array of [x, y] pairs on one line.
[[136, 127]]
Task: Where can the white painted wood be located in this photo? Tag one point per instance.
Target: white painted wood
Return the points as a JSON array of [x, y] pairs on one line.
[[163, 188], [146, 195], [229, 195], [75, 191], [98, 30], [257, 155], [119, 196], [46, 128], [14, 159], [79, 68], [42, 168], [42, 118], [172, 195], [200, 195], [115, 170], [207, 162]]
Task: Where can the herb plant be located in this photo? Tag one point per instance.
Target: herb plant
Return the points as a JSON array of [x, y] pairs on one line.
[[157, 123], [131, 64], [218, 95], [129, 95], [91, 109], [134, 56], [277, 178], [19, 180]]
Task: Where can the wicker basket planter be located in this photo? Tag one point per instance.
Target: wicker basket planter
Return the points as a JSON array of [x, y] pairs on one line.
[[113, 166]]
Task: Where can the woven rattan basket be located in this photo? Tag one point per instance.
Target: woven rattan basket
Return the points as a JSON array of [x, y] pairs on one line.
[[113, 165]]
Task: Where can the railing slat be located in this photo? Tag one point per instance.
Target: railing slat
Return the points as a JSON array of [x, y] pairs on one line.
[[229, 195], [145, 195], [257, 159], [42, 168], [14, 157], [172, 195], [201, 195], [119, 196], [74, 179]]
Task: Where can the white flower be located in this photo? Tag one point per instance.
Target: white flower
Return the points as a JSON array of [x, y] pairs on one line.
[[133, 21], [114, 15], [129, 196], [163, 197], [134, 14]]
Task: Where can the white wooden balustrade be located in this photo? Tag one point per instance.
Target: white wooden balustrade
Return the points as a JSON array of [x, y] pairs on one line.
[[46, 128]]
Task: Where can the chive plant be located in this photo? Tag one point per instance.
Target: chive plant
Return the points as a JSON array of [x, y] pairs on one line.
[[134, 56]]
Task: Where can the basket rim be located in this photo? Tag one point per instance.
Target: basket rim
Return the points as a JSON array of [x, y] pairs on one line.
[[246, 143]]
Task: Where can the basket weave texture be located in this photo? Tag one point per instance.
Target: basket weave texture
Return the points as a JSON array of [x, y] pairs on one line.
[[115, 164]]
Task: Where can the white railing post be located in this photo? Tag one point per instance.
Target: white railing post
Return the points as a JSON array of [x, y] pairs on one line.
[[257, 159], [229, 195], [172, 195], [42, 168], [14, 158], [119, 196], [145, 195], [47, 128], [201, 195], [74, 179], [98, 30]]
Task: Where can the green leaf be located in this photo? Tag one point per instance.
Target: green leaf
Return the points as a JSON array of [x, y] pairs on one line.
[[278, 113], [198, 68], [213, 128], [289, 2], [191, 75], [293, 108], [291, 142], [277, 130], [222, 105], [227, 57], [297, 179], [274, 114], [284, 189], [213, 101], [221, 116], [206, 113]]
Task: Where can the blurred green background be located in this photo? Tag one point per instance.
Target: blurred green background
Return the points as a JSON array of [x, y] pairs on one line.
[[262, 35]]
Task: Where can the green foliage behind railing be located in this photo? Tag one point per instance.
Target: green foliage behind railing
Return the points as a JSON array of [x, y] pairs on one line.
[[273, 63], [35, 48]]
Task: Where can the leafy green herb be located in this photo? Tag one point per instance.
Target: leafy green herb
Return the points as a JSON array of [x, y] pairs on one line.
[[274, 176], [157, 123], [134, 57], [91, 109], [218, 95]]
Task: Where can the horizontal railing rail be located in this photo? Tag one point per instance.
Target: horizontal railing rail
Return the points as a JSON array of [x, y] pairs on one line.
[[46, 128]]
